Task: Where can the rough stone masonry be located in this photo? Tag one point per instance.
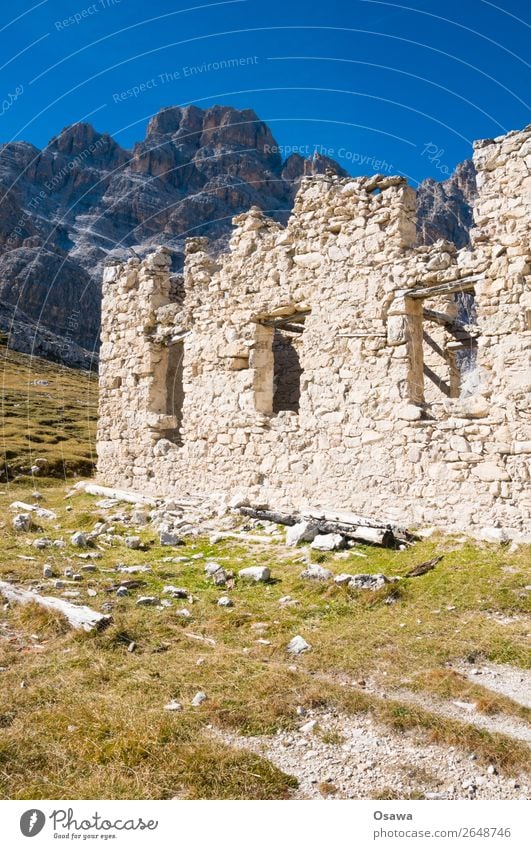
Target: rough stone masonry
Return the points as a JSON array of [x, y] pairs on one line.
[[333, 361]]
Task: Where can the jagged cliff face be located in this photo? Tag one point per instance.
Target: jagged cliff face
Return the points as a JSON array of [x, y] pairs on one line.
[[444, 210], [65, 209]]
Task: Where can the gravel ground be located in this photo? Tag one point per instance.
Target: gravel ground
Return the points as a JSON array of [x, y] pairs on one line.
[[507, 680], [363, 760], [465, 711]]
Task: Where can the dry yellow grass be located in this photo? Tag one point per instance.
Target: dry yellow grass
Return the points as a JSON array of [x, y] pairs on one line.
[[90, 720], [81, 716]]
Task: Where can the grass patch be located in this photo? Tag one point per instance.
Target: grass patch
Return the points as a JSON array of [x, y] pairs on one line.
[[90, 721], [448, 684], [48, 412]]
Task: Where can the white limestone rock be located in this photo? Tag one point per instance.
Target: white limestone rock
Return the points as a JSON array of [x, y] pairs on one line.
[[300, 532], [314, 572], [22, 522], [255, 573], [298, 645], [328, 542], [368, 582]]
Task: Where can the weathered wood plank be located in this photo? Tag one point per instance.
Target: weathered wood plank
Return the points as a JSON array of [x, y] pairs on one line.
[[463, 285], [118, 494], [78, 616]]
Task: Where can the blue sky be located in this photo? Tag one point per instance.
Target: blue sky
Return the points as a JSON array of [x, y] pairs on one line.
[[402, 88]]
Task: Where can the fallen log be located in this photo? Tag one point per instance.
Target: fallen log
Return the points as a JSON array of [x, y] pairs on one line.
[[373, 536], [79, 617], [377, 535], [345, 517], [118, 494], [270, 515]]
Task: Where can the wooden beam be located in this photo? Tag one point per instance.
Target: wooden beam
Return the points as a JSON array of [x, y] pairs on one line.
[[297, 317], [466, 284], [80, 617]]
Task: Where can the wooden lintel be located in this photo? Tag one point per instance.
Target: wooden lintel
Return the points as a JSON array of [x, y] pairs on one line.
[[297, 317], [466, 284]]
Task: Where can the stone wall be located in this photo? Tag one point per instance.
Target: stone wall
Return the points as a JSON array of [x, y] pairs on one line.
[[333, 361]]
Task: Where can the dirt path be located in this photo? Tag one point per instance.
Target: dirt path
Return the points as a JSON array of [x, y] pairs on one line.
[[353, 758]]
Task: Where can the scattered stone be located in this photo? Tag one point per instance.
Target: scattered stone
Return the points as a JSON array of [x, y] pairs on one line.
[[199, 698], [314, 572], [342, 579], [132, 570], [225, 601], [68, 572], [255, 573], [173, 705], [79, 539], [41, 512], [133, 542], [309, 726], [328, 542], [184, 612], [368, 582], [88, 568], [298, 645], [300, 532], [92, 592], [123, 591], [131, 647], [22, 522], [47, 571], [77, 577], [139, 517], [169, 538], [147, 600], [175, 592]]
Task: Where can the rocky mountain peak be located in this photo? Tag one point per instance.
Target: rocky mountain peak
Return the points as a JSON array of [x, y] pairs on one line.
[[84, 198]]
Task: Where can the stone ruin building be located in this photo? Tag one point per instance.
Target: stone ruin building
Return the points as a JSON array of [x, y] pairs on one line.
[[333, 361]]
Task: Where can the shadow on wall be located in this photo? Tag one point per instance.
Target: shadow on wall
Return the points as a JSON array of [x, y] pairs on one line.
[[287, 371]]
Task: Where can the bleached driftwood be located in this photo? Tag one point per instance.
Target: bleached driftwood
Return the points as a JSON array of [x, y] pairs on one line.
[[324, 523], [80, 617], [346, 517], [117, 494], [41, 512]]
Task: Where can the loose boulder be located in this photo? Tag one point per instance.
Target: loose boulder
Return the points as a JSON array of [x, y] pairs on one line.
[[328, 542], [255, 573]]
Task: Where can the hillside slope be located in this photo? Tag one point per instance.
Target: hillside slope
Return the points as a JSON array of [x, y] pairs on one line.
[[48, 417]]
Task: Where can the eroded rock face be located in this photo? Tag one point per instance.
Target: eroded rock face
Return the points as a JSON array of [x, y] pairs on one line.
[[68, 206], [444, 210]]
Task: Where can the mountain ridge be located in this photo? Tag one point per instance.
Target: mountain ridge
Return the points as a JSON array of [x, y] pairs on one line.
[[83, 198]]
